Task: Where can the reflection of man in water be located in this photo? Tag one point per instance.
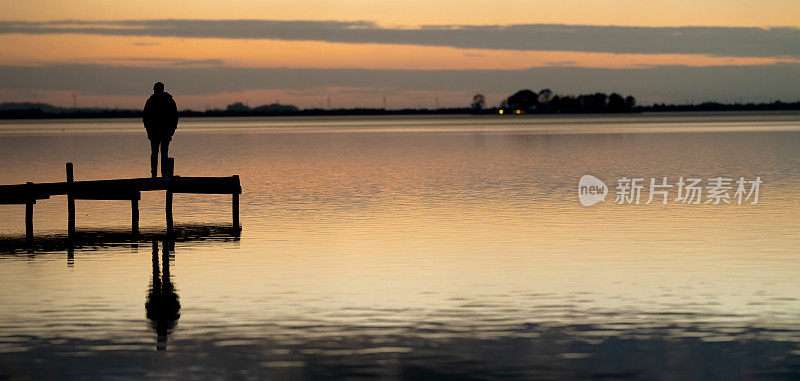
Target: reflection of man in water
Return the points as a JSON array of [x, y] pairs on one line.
[[163, 308], [160, 121]]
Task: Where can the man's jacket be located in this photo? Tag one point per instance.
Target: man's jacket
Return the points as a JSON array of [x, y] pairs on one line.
[[160, 116]]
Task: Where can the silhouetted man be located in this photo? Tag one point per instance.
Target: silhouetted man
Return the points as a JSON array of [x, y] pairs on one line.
[[160, 121]]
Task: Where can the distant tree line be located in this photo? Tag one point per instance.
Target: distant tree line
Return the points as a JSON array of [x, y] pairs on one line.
[[525, 101], [546, 102], [716, 106]]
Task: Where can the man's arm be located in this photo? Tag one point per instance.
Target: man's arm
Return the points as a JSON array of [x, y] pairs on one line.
[[174, 113], [147, 113]]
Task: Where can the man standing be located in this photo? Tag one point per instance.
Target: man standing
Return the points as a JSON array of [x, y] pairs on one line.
[[160, 121]]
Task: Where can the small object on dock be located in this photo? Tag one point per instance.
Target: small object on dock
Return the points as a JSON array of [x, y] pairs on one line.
[[118, 189]]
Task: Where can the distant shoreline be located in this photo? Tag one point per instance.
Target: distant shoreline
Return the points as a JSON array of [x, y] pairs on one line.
[[44, 111]]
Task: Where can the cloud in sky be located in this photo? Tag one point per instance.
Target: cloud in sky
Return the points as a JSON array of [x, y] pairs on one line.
[[716, 41], [676, 83], [123, 58]]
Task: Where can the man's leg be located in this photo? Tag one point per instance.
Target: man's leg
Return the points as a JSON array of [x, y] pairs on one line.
[[164, 157], [154, 157]]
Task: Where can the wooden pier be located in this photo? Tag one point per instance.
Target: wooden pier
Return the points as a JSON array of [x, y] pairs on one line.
[[118, 189]]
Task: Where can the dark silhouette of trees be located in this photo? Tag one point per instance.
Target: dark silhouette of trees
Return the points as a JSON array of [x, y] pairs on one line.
[[524, 100], [275, 108], [478, 102], [616, 103], [593, 102], [545, 95], [546, 102], [564, 104], [237, 107], [630, 102]]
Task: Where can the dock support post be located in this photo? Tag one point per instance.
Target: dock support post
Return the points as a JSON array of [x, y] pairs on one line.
[[169, 212], [135, 217], [235, 209], [235, 212], [170, 172], [29, 220], [70, 205]]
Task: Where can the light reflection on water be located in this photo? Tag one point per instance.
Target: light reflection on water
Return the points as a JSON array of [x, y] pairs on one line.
[[414, 247]]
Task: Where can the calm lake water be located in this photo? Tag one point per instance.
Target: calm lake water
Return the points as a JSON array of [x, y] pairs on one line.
[[410, 247]]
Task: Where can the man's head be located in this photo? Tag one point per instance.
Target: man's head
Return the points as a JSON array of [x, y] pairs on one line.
[[158, 88]]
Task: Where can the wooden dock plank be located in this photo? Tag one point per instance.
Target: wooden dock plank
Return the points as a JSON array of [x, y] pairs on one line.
[[20, 200], [209, 185]]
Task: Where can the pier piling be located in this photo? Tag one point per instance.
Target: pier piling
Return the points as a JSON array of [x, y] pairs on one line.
[[29, 216], [235, 208], [135, 217], [169, 170], [169, 212], [70, 204]]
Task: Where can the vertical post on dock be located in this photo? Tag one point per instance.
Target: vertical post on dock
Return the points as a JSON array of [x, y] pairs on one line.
[[235, 207], [29, 217], [235, 211], [169, 171], [169, 211], [29, 221], [70, 204], [135, 217]]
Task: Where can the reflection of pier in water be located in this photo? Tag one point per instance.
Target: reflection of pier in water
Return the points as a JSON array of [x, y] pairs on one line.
[[162, 305], [91, 239]]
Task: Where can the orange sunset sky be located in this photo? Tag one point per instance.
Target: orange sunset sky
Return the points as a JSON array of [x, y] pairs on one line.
[[414, 53]]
